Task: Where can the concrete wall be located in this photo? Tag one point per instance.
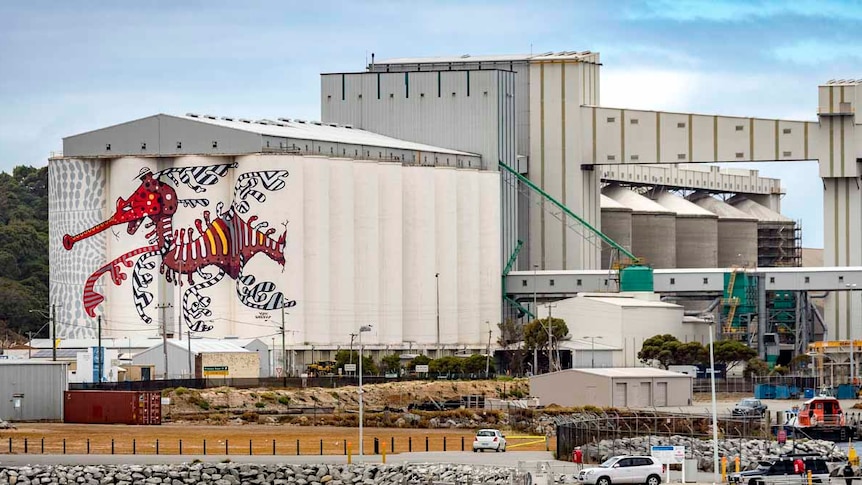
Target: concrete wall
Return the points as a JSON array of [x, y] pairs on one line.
[[42, 385]]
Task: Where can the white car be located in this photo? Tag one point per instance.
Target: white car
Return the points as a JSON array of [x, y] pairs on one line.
[[489, 439], [623, 469]]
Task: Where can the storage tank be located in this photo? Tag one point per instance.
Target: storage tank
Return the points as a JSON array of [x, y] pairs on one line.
[[617, 225], [696, 232], [778, 237], [419, 255], [391, 244], [737, 232], [315, 219], [446, 234], [490, 283], [366, 273], [341, 257], [469, 212], [653, 227]]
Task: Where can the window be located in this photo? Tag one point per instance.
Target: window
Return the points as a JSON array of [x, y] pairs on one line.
[[626, 462], [267, 144], [740, 155], [107, 146], [143, 146], [808, 279], [612, 157], [786, 154], [579, 282], [841, 279], [215, 144], [786, 131], [680, 125], [611, 119], [706, 281], [673, 281], [551, 282], [740, 127], [680, 156], [633, 121], [179, 145], [523, 282], [772, 279], [635, 157]]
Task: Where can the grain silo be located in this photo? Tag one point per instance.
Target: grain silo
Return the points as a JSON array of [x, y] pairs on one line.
[[779, 238], [696, 232], [617, 225], [737, 232], [653, 227]]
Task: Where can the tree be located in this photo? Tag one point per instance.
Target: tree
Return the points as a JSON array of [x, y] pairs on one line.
[[418, 360], [667, 350], [536, 333], [447, 365], [731, 352], [755, 367], [346, 356], [391, 363], [475, 364]]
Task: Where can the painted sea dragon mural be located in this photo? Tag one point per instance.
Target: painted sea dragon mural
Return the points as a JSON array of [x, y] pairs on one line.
[[200, 255]]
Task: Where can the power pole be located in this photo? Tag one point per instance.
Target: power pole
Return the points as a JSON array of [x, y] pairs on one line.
[[163, 307], [283, 350], [99, 347], [30, 345], [53, 320], [191, 369], [550, 340], [488, 353], [437, 287]]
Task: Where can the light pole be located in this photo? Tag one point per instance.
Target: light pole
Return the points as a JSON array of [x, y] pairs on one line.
[[593, 349], [715, 477], [535, 316], [364, 328], [488, 352], [437, 288], [851, 287]]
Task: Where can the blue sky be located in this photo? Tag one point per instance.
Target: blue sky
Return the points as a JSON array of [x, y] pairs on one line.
[[68, 67]]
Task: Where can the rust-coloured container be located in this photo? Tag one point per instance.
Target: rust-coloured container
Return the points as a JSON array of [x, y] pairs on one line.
[[112, 407]]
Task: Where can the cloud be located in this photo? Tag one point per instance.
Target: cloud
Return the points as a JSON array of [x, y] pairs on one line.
[[811, 52], [739, 11]]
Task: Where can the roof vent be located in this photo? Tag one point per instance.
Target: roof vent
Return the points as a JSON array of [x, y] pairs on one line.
[[193, 115], [210, 117], [465, 56], [317, 123], [244, 120], [301, 121], [227, 118], [286, 120], [262, 122], [349, 127], [334, 125], [279, 124]]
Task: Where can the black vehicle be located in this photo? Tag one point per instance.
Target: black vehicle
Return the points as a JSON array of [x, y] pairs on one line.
[[783, 466], [749, 407]]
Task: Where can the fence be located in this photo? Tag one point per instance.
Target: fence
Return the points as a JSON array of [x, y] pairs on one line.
[[730, 384], [588, 430]]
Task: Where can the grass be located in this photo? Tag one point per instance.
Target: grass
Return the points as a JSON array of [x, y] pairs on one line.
[[181, 391]]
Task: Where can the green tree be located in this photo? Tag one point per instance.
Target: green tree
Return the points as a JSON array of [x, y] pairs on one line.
[[391, 363], [731, 352], [475, 364], [346, 356], [536, 333], [447, 365], [755, 367], [418, 360], [667, 350]]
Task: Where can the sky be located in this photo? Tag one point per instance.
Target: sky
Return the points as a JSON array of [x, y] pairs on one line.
[[69, 67]]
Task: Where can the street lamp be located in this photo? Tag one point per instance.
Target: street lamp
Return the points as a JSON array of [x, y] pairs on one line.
[[535, 315], [437, 288], [817, 374], [593, 350], [851, 287], [714, 411], [362, 329]]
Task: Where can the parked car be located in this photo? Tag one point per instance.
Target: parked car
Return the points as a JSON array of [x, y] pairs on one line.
[[783, 466], [623, 469], [749, 407], [489, 439]]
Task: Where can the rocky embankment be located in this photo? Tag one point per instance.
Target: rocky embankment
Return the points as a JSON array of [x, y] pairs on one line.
[[749, 451], [234, 474]]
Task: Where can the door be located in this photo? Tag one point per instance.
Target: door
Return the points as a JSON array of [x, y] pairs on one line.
[[145, 374], [620, 394], [660, 394], [625, 472], [645, 394]]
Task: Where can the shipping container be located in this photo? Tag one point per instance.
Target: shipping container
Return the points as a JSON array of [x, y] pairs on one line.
[[113, 407]]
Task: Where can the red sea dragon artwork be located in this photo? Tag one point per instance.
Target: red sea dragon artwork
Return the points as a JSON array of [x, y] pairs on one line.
[[215, 247]]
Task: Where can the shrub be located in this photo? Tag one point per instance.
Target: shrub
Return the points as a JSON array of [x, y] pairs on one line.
[[268, 396], [284, 400], [180, 391], [249, 416], [260, 404]]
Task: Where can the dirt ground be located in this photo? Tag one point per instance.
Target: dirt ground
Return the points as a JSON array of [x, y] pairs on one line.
[[234, 439]]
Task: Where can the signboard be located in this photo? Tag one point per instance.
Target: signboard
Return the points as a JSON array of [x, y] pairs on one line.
[[349, 367], [704, 372], [782, 436], [668, 455], [422, 368], [215, 370], [166, 401]]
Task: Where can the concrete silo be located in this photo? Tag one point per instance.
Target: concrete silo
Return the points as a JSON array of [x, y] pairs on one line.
[[617, 225], [653, 227], [696, 232], [737, 232], [779, 239]]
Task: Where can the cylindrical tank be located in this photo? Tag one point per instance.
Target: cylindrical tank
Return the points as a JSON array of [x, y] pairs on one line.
[[341, 257], [617, 225], [468, 252], [653, 227], [391, 252], [366, 274], [490, 306], [316, 274], [737, 232], [777, 243], [420, 310], [696, 232], [446, 233]]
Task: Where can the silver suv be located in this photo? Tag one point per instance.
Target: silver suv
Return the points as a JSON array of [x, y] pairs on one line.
[[623, 469]]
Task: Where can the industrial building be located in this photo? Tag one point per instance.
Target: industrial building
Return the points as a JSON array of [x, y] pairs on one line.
[[621, 387], [32, 391], [198, 359], [426, 181]]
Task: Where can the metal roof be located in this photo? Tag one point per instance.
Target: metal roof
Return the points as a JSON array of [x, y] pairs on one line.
[[207, 346], [626, 301], [61, 353], [632, 372], [761, 212], [723, 210], [318, 131], [682, 207], [579, 344], [636, 202], [610, 204], [583, 56]]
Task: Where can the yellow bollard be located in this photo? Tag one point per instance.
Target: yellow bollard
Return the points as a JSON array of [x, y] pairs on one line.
[[723, 468], [349, 454], [736, 461], [852, 457], [809, 478], [383, 450]]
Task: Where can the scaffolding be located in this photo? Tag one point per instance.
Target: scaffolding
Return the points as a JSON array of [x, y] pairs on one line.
[[779, 243]]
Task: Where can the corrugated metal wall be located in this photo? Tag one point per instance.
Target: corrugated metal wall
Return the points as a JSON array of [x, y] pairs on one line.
[[41, 385]]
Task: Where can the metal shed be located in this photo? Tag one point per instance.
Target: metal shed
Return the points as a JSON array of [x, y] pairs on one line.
[[621, 387], [32, 390]]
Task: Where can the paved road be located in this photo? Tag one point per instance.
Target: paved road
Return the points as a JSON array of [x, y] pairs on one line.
[[725, 406], [461, 458]]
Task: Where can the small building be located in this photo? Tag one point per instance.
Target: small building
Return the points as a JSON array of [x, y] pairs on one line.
[[208, 358], [620, 387], [32, 390]]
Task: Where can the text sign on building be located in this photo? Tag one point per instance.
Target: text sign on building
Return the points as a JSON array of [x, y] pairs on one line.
[[215, 370], [349, 367], [668, 455], [422, 368]]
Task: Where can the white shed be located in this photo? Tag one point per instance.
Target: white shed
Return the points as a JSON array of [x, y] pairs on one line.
[[208, 359], [637, 387]]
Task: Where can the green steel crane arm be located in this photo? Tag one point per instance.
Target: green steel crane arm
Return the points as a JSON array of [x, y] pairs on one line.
[[610, 242], [513, 258]]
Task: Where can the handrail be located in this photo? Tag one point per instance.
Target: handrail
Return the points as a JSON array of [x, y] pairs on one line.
[[569, 212]]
